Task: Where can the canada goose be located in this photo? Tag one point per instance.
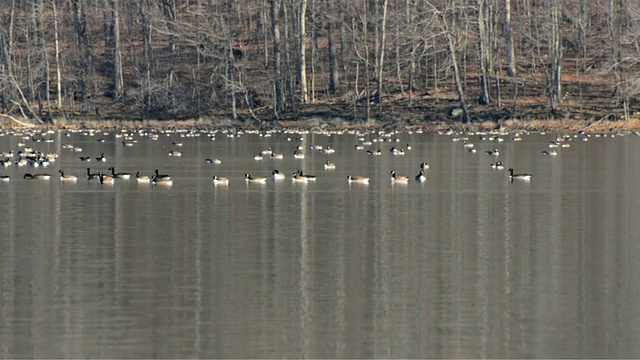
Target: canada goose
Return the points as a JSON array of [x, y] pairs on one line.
[[495, 152], [92, 176], [179, 144], [5, 178], [277, 175], [374, 153], [214, 161], [499, 165], [329, 165], [85, 158], [101, 158], [359, 147], [512, 176], [296, 177], [549, 153], [175, 153], [156, 180], [220, 180], [250, 179], [70, 178], [298, 155], [308, 177], [276, 156], [125, 176], [105, 179], [397, 179], [37, 176], [160, 176], [421, 176], [329, 150], [358, 179], [424, 166], [258, 157], [7, 154], [142, 178], [267, 151]]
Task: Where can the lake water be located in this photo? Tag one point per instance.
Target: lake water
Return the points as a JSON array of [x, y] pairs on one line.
[[464, 265]]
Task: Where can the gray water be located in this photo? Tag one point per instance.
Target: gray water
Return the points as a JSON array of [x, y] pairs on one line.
[[464, 265]]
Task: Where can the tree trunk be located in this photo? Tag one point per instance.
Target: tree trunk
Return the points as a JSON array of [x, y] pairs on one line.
[[277, 69], [334, 78], [381, 53], [56, 39], [485, 97], [117, 53], [511, 66]]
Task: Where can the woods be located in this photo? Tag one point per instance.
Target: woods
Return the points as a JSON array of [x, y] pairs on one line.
[[467, 60]]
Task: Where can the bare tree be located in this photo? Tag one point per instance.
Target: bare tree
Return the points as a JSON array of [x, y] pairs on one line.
[[277, 62]]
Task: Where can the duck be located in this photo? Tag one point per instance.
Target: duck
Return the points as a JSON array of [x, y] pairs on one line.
[[220, 180], [308, 177], [70, 178], [498, 165], [329, 165], [512, 176], [277, 175], [90, 175], [101, 158], [142, 178], [157, 180], [28, 176], [105, 179], [398, 179], [421, 176], [125, 176], [250, 179], [358, 179], [159, 176]]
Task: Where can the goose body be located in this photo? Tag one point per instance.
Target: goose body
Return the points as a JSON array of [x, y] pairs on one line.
[[174, 153], [512, 176], [421, 176], [121, 175], [277, 175], [305, 176], [69, 178], [329, 165], [37, 176], [142, 178], [498, 165], [156, 180], [398, 179], [159, 176], [105, 179], [220, 180], [298, 155], [250, 179], [358, 179], [214, 161], [5, 178]]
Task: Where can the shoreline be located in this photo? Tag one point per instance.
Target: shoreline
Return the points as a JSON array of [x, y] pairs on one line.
[[321, 124]]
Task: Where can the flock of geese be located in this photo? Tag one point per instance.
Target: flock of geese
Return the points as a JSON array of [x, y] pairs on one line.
[[27, 156]]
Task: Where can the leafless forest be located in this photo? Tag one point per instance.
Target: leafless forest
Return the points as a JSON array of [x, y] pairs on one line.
[[467, 60]]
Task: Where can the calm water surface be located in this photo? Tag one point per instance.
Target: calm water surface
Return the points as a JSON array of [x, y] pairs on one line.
[[464, 265]]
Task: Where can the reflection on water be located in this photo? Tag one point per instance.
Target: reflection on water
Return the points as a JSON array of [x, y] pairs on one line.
[[464, 265]]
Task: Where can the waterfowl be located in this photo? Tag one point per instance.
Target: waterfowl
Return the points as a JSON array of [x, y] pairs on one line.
[[214, 161], [142, 178], [85, 158], [549, 153], [156, 180], [105, 179], [37, 176], [424, 166], [5, 178], [308, 177], [250, 179], [267, 151], [398, 179], [90, 175], [160, 176], [498, 165], [296, 177], [175, 153], [277, 175], [258, 157], [512, 176], [421, 176], [374, 153], [358, 179], [495, 152], [329, 165], [121, 175], [220, 180], [276, 156], [298, 155], [177, 144], [101, 158], [70, 178], [359, 147]]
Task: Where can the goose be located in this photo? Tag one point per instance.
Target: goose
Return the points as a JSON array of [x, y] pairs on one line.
[[101, 158], [105, 179], [179, 144], [276, 156], [267, 151], [499, 165], [214, 161], [359, 147], [277, 175], [424, 165], [250, 179], [37, 177], [157, 180], [142, 178], [220, 180], [175, 153], [512, 176], [495, 152], [374, 153], [160, 176], [421, 176], [258, 157], [85, 158], [121, 175], [70, 178], [298, 155], [329, 150], [296, 177], [329, 165], [5, 178], [91, 176], [549, 153], [358, 179], [308, 177], [397, 179]]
